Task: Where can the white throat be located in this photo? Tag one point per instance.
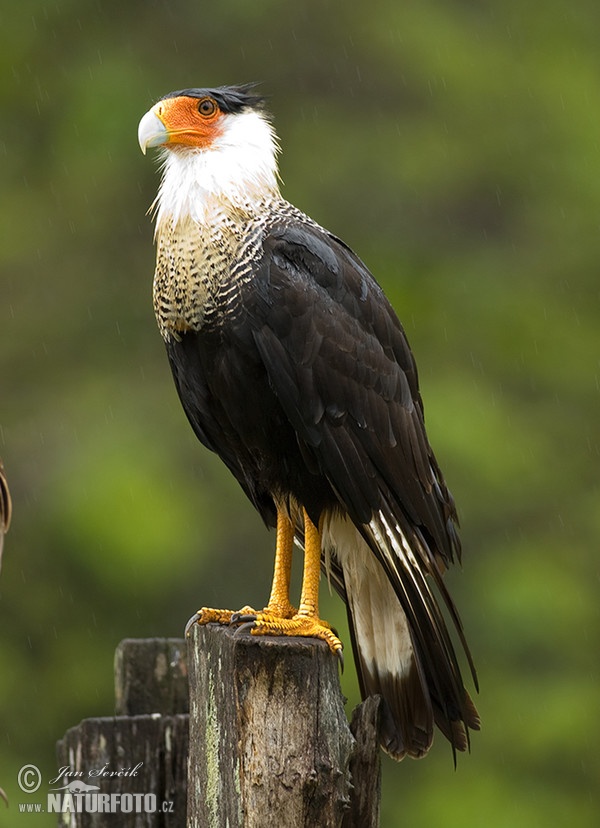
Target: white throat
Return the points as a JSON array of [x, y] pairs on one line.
[[236, 172]]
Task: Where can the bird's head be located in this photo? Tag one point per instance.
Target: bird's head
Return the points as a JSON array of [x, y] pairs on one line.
[[217, 144]]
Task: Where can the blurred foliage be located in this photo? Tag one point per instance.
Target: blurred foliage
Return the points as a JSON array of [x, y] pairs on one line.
[[455, 145]]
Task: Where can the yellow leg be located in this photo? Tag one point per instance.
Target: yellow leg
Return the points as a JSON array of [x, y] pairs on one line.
[[279, 605], [279, 601], [306, 621], [309, 597], [279, 617]]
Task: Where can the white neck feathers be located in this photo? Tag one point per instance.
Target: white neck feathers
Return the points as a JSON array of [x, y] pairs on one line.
[[238, 170]]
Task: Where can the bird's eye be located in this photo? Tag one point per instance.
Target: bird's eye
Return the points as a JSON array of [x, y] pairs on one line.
[[207, 107]]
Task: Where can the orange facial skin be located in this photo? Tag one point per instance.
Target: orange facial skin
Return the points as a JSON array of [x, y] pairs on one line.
[[190, 122]]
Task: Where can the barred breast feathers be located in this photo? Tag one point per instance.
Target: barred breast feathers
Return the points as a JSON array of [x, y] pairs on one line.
[[213, 209], [209, 204]]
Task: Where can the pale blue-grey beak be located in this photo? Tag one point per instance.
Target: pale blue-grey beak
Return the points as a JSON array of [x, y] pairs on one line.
[[151, 131]]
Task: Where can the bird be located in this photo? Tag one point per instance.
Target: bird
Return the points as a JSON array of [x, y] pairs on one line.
[[5, 508], [292, 366]]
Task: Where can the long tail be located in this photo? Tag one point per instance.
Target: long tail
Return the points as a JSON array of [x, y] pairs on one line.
[[401, 642]]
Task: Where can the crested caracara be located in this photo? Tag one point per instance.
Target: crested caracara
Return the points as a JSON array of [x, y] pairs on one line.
[[293, 367]]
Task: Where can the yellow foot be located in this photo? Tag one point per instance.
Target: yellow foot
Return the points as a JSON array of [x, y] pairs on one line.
[[206, 615], [268, 623], [271, 621]]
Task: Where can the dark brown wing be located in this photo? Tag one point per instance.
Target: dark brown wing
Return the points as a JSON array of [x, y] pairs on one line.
[[339, 363]]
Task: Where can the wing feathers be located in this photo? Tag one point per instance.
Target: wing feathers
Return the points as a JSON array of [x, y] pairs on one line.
[[339, 363]]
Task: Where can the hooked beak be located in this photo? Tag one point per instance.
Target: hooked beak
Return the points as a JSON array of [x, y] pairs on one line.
[[151, 131]]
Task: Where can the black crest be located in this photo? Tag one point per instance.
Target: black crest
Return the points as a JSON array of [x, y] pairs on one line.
[[231, 99]]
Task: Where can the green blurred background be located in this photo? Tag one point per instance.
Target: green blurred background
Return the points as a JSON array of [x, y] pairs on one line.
[[455, 145]]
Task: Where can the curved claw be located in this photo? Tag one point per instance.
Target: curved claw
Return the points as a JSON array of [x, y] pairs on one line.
[[340, 655], [241, 616], [247, 627], [193, 620]]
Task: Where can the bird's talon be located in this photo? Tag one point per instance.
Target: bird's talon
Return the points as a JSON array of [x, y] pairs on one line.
[[247, 627], [195, 619], [300, 625], [242, 616], [206, 615]]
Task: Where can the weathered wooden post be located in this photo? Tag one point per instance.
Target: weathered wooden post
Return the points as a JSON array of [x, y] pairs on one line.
[[268, 740], [130, 769]]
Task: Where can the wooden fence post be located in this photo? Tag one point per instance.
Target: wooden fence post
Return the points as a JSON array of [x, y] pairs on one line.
[[146, 742], [269, 740]]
